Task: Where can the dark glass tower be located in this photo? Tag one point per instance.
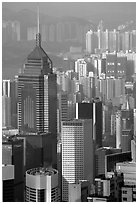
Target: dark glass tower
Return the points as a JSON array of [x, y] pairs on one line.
[[37, 92], [92, 111]]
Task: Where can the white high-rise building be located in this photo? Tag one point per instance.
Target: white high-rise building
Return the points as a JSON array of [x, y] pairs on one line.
[[91, 41], [77, 153], [118, 129], [6, 103], [81, 68], [42, 185]]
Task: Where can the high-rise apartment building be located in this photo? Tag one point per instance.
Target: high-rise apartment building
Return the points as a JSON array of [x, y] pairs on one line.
[[118, 129], [42, 185], [81, 68], [6, 103], [77, 153], [91, 42]]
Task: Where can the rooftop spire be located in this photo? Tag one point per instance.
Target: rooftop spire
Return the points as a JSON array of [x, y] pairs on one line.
[[38, 35], [38, 23]]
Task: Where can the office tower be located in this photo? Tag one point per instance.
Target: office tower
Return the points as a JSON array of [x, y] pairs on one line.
[[118, 129], [6, 111], [63, 106], [111, 65], [42, 185], [13, 154], [14, 101], [8, 183], [65, 109], [113, 123], [107, 112], [92, 111], [77, 153], [37, 92], [6, 103], [81, 68], [91, 42]]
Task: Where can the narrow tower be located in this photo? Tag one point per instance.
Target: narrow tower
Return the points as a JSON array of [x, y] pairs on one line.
[[37, 91]]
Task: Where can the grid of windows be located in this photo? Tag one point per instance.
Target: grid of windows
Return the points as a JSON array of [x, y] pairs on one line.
[[31, 194], [72, 154]]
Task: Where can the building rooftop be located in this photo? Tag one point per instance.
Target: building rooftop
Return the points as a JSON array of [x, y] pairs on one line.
[[37, 53], [41, 171]]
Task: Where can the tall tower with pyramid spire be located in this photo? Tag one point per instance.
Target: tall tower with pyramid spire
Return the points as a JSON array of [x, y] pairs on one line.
[[37, 91]]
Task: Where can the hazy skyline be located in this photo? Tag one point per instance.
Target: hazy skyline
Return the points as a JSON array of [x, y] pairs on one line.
[[78, 9]]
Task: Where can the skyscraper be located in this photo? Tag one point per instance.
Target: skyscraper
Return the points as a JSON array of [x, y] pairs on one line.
[[77, 153], [6, 103], [92, 111], [37, 92], [81, 68], [91, 42], [118, 129]]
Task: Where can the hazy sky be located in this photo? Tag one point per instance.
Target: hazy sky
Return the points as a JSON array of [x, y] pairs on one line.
[[78, 9]]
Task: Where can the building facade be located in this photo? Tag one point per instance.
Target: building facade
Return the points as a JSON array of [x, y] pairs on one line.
[[77, 153], [42, 185]]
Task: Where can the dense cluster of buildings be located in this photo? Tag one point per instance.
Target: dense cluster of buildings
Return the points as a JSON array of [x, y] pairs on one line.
[[71, 136]]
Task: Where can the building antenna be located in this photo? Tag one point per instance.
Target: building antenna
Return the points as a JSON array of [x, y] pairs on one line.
[[38, 20], [38, 35]]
